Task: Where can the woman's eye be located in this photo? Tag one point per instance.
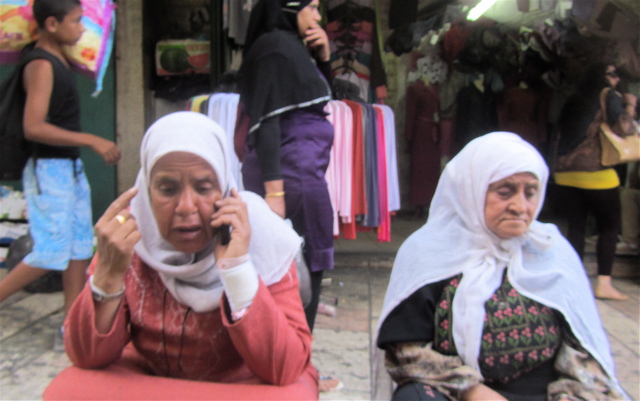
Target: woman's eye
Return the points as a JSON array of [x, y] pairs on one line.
[[204, 188], [167, 190]]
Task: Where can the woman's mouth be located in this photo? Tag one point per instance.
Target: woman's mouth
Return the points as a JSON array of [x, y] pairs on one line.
[[188, 231]]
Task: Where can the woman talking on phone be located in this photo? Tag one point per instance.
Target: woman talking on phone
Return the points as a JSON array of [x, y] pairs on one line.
[[284, 86], [174, 311]]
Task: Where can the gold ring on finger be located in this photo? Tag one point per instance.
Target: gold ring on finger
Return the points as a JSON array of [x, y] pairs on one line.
[[121, 219]]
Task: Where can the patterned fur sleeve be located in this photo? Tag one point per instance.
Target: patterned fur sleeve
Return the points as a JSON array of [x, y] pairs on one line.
[[417, 361], [581, 377]]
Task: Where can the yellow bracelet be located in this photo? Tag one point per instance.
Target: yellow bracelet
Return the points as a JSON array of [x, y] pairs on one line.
[[274, 194]]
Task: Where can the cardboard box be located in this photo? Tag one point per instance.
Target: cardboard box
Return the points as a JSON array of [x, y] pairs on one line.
[[182, 57]]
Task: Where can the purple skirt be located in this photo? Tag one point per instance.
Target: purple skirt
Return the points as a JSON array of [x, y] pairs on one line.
[[306, 140]]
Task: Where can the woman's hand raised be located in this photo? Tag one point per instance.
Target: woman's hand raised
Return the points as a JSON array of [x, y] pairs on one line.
[[117, 234], [232, 212], [318, 43]]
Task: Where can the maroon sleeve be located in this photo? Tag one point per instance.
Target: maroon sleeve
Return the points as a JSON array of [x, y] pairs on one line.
[[273, 337], [87, 348]]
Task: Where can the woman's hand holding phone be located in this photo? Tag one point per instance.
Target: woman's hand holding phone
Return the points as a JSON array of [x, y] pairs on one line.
[[231, 213]]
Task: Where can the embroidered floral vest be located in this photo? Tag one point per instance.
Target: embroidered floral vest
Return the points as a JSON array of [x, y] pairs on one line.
[[519, 334]]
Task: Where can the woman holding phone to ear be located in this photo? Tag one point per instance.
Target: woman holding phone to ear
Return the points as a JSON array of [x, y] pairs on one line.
[[168, 300], [284, 86]]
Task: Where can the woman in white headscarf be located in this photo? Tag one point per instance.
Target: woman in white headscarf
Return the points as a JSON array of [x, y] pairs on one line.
[[485, 302], [171, 298]]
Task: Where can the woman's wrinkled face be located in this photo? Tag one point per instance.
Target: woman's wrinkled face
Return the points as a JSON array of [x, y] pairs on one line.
[[308, 17], [511, 204], [183, 189]]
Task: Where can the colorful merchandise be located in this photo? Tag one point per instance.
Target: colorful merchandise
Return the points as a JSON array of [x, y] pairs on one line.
[[90, 55]]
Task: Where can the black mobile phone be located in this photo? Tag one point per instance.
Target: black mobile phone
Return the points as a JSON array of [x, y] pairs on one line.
[[225, 234], [225, 229]]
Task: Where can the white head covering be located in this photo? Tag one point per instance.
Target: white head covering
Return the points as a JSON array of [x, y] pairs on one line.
[[542, 265], [193, 279]]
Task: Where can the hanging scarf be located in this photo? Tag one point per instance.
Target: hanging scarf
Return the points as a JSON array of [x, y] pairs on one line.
[[277, 74], [540, 264], [193, 279]]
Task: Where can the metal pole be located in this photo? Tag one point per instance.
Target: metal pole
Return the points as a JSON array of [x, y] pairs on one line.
[[217, 43]]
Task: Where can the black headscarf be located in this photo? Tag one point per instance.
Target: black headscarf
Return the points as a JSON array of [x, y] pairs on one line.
[[277, 73]]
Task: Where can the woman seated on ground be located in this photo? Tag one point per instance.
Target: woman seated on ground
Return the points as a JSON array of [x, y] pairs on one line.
[[168, 299], [485, 302]]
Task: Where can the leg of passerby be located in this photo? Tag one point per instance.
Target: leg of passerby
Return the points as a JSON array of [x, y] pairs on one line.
[[606, 207], [19, 277], [575, 207], [73, 281]]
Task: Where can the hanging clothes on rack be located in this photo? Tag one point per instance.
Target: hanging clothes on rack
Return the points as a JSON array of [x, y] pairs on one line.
[[524, 110], [339, 173], [358, 194], [384, 225], [222, 108], [365, 142], [393, 184], [476, 113], [422, 134], [350, 28]]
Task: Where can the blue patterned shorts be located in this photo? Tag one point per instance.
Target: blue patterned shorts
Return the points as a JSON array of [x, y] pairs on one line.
[[59, 207]]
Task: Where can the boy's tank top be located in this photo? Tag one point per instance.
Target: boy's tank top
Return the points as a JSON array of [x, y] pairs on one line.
[[64, 108]]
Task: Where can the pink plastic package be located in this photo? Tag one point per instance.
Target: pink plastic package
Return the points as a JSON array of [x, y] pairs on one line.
[[90, 56]]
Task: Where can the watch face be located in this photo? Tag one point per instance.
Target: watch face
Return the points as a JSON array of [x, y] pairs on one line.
[[97, 297]]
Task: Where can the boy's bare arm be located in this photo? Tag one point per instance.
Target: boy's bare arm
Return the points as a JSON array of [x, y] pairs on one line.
[[38, 84]]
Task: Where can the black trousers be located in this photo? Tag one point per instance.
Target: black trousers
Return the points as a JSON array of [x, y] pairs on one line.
[[312, 309], [576, 204]]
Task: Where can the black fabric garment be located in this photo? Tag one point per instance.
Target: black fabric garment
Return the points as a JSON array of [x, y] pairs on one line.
[[405, 38], [576, 205], [268, 15], [476, 115], [402, 326], [413, 320], [267, 145], [278, 73], [64, 108], [615, 106], [579, 112], [402, 12]]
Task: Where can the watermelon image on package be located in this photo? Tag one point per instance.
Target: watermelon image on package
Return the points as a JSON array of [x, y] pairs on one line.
[[182, 57]]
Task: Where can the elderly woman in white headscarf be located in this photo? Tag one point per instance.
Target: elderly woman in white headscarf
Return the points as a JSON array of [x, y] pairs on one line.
[[193, 281], [485, 302]]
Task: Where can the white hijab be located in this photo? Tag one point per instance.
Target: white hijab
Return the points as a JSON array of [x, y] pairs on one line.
[[540, 264], [193, 279]]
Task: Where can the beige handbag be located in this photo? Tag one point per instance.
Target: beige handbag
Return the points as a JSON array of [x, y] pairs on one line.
[[620, 143], [617, 149]]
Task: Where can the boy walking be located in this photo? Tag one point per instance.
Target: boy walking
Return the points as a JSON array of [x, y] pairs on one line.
[[54, 182]]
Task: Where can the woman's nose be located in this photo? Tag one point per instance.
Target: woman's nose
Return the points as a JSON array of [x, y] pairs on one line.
[[518, 204], [186, 203]]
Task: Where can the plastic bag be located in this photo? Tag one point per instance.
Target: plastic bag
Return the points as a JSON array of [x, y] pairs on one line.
[[90, 56]]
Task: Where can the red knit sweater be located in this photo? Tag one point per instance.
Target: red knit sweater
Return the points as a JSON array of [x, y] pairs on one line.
[[271, 344]]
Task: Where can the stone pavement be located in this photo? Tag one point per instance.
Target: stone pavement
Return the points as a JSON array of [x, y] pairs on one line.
[[342, 343]]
